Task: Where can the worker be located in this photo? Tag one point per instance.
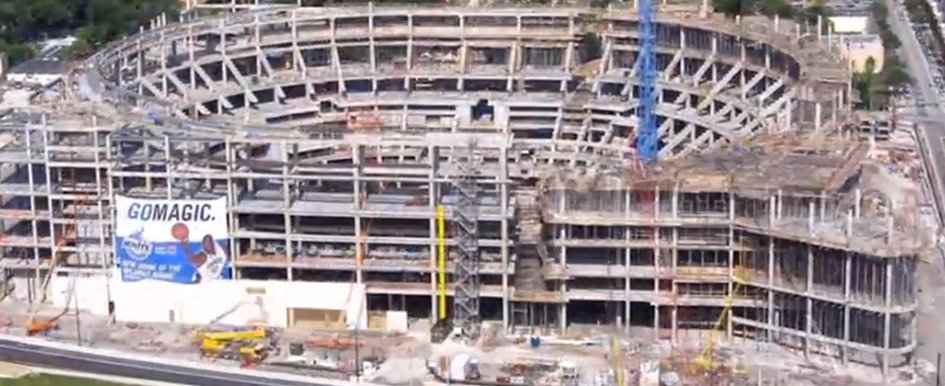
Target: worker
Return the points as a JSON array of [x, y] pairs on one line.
[[156, 118]]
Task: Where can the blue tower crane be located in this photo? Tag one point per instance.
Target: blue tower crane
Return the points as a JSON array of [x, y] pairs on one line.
[[647, 130]]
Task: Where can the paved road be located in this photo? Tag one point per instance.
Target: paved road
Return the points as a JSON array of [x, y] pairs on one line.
[[931, 131], [929, 114], [30, 354]]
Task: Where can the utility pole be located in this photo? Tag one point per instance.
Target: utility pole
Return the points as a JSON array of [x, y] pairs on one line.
[[357, 353], [357, 341], [78, 322]]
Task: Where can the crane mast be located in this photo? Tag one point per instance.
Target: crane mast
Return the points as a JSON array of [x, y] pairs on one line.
[[647, 131]]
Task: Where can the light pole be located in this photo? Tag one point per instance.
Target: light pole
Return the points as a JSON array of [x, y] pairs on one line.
[[357, 342], [357, 353], [78, 322]]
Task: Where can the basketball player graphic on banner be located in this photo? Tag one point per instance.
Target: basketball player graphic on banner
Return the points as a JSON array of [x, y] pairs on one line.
[[208, 261]]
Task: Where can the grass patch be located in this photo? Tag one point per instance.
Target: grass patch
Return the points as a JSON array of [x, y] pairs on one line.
[[55, 380]]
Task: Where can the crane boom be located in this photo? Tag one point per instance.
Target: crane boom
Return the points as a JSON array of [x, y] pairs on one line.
[[647, 131]]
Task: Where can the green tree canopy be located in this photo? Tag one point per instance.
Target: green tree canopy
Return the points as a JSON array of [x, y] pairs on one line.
[[94, 22]]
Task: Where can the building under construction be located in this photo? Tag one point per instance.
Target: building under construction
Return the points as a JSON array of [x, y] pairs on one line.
[[336, 133]]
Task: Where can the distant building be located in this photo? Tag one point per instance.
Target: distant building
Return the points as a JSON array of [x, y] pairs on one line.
[[52, 47], [850, 25], [845, 7], [859, 48], [37, 72]]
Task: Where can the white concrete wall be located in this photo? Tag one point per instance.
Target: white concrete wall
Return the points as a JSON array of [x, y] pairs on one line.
[[464, 113], [397, 321], [24, 285], [89, 292], [501, 113], [860, 54], [245, 300]]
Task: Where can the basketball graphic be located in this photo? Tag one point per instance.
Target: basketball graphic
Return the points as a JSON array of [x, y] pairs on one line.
[[180, 232]]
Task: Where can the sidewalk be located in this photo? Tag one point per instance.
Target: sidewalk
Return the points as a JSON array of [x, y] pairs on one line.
[[12, 371], [98, 377]]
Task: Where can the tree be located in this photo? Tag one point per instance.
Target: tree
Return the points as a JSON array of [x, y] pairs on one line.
[[590, 47], [95, 22], [734, 7], [894, 74], [879, 11], [864, 82], [781, 8]]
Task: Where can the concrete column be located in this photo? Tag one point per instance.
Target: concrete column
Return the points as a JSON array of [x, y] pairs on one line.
[[410, 43], [656, 321], [817, 120], [810, 218], [568, 57], [287, 204], [673, 312], [714, 52], [772, 206], [768, 53], [656, 206], [847, 274], [857, 198], [164, 79], [731, 263], [656, 285], [771, 325], [809, 321], [513, 59], [257, 39], [626, 262], [357, 158], [504, 249], [823, 206], [463, 61], [682, 46], [167, 159], [371, 44], [563, 318], [675, 202], [887, 317]]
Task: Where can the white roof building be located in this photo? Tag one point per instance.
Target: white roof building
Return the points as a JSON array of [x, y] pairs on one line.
[[850, 25], [37, 72]]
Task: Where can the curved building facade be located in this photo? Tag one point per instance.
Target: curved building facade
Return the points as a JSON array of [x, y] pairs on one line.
[[335, 134]]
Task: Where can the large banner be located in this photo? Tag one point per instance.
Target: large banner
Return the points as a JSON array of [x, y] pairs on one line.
[[182, 241]]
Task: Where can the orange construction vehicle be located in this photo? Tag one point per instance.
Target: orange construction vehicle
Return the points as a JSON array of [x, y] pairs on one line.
[[335, 342], [36, 327]]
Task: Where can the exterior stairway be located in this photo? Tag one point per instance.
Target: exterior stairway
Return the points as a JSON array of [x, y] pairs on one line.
[[529, 250], [583, 94]]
